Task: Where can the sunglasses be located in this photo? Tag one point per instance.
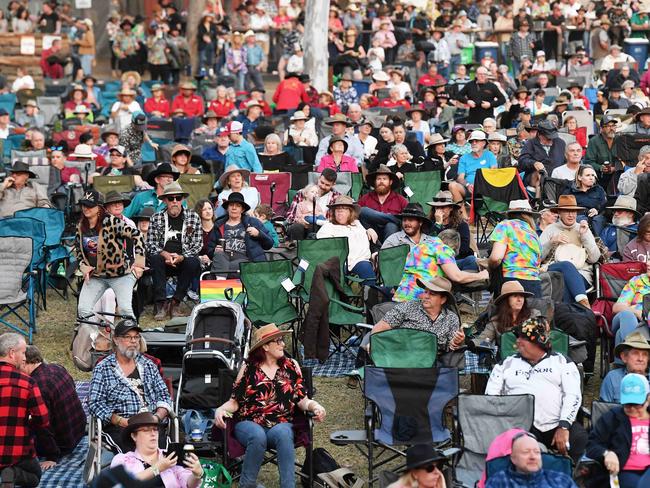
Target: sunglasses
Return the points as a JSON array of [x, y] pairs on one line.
[[175, 198], [56, 148], [431, 467]]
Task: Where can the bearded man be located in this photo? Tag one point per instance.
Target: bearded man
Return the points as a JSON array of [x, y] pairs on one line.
[[624, 224]]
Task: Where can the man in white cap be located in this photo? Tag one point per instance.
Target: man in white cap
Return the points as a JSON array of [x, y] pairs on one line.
[[470, 163], [241, 153]]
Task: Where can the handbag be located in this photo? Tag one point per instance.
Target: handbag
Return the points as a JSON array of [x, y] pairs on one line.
[[216, 475]]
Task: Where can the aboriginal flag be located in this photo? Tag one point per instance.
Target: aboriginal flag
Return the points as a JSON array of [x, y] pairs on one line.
[[496, 188]]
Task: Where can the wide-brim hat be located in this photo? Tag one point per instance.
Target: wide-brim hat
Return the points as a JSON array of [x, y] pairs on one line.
[[21, 167], [108, 130], [298, 115], [421, 455], [187, 85], [162, 169], [145, 214], [627, 203], [511, 288], [520, 206], [83, 151], [265, 334], [498, 137], [116, 197], [414, 211], [522, 89], [223, 179], [143, 419], [344, 201], [567, 202], [380, 76], [547, 128], [181, 148], [635, 340], [382, 170], [438, 284], [210, 114], [174, 188], [127, 92], [416, 108], [443, 199], [340, 118], [437, 138], [644, 111], [125, 76], [337, 139], [236, 197]]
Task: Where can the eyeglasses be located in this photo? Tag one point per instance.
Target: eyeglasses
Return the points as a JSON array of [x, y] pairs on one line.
[[56, 148], [279, 340], [132, 338], [175, 198]]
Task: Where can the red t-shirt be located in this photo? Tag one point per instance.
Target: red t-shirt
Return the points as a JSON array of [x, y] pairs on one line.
[[222, 109], [639, 458], [289, 94], [162, 106], [192, 107]]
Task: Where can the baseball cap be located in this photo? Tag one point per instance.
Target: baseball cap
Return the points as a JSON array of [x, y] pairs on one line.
[[139, 118], [608, 119], [91, 198], [3, 112], [123, 326], [119, 149], [234, 127], [634, 389]]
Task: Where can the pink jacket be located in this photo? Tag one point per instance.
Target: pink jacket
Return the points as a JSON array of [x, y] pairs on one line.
[[501, 446], [174, 477], [348, 163]]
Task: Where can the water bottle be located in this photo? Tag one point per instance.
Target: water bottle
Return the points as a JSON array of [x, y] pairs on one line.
[[196, 435]]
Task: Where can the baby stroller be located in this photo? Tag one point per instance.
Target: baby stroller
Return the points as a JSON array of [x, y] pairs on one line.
[[217, 341]]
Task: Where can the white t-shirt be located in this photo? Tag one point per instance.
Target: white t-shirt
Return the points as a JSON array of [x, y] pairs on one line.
[[564, 173], [124, 116]]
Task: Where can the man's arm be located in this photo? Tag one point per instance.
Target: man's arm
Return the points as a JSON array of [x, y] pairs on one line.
[[496, 382], [41, 196], [572, 396], [457, 276]]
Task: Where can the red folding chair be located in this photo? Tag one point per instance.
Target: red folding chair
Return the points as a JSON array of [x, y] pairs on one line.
[[274, 190], [610, 280]]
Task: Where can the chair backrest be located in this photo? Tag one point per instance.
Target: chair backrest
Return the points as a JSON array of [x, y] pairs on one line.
[[391, 262], [81, 166], [183, 127], [598, 409], [550, 462], [53, 220], [559, 343], [13, 141], [26, 227], [70, 136], [404, 348], [481, 418], [8, 102], [32, 158], [610, 280], [411, 402], [198, 186], [423, 184], [280, 183], [48, 177], [50, 107], [122, 184], [15, 258], [494, 189], [343, 181], [357, 185], [317, 251], [585, 118], [160, 128], [210, 289], [266, 299], [567, 138]]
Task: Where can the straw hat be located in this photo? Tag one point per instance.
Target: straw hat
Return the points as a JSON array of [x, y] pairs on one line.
[[520, 206], [344, 201], [187, 85], [567, 202], [298, 115], [223, 179], [125, 76], [511, 288], [436, 138], [266, 334], [126, 92], [83, 151], [443, 199], [380, 76], [627, 203], [174, 188], [635, 340]]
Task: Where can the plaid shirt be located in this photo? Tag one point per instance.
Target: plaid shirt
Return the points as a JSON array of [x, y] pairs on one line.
[[111, 393], [291, 214], [22, 412], [520, 46], [192, 238], [67, 417]]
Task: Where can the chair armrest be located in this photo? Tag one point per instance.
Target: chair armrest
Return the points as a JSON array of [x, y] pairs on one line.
[[349, 307]]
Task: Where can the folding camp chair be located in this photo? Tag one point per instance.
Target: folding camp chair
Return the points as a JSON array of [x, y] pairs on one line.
[[48, 177], [480, 419], [566, 137], [122, 184], [343, 181], [423, 185], [110, 85], [610, 279], [274, 190], [183, 128], [13, 141], [407, 407], [559, 343], [50, 107], [55, 88], [32, 158], [585, 118], [390, 264], [493, 190], [550, 462], [357, 186], [27, 94], [160, 129], [404, 348], [86, 168], [198, 186], [8, 102], [107, 99]]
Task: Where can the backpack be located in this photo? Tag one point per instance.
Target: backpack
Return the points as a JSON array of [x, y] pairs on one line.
[[580, 323], [88, 338], [322, 462]]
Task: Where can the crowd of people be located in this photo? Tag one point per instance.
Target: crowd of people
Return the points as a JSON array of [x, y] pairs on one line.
[[449, 90]]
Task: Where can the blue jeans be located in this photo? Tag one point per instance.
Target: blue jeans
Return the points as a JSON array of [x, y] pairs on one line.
[[624, 324], [93, 289], [467, 263], [575, 288], [319, 218], [256, 439], [363, 269], [384, 224], [634, 479], [531, 286], [454, 62], [206, 58], [87, 63]]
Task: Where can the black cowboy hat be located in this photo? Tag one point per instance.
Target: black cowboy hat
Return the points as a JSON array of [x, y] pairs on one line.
[[236, 197], [161, 169], [382, 170], [421, 455], [414, 211], [21, 167]]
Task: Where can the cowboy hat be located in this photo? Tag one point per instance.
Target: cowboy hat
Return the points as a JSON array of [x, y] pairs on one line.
[[414, 211], [181, 148], [443, 199], [83, 151], [187, 85], [162, 169], [438, 284], [265, 334], [520, 206], [223, 179], [338, 118], [522, 89], [210, 114], [644, 111], [380, 76], [627, 203], [635, 340], [344, 201], [174, 188], [21, 167], [126, 92], [382, 170], [145, 214], [416, 108], [298, 115], [252, 103], [337, 139], [108, 130], [561, 100], [116, 197], [511, 288], [497, 136], [567, 202], [422, 455], [436, 138], [236, 197], [143, 419]]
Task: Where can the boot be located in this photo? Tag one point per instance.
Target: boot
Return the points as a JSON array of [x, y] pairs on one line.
[[585, 303], [160, 310], [8, 477], [175, 309]]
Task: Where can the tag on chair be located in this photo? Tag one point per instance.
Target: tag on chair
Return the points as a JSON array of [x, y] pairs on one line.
[[287, 284], [303, 265], [408, 192]]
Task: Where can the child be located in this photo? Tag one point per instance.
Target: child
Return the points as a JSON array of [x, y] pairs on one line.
[[305, 209], [376, 56], [265, 213]]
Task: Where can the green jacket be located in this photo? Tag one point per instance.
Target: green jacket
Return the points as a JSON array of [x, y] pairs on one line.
[[598, 152]]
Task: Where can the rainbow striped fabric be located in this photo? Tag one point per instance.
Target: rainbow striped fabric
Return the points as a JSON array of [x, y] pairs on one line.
[[216, 289]]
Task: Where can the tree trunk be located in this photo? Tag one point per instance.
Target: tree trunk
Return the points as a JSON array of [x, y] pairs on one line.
[[315, 42], [193, 18]]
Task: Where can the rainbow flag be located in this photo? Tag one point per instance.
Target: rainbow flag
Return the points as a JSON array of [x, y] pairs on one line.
[[216, 289]]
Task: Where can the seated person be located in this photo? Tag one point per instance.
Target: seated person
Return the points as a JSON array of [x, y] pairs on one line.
[[267, 392], [343, 222], [424, 465], [264, 213], [434, 311], [18, 192], [220, 148], [588, 194], [447, 214], [299, 227], [67, 416], [619, 440], [160, 177], [623, 227], [431, 258], [629, 307], [527, 469], [336, 158], [146, 461], [415, 226], [238, 237], [379, 207], [634, 352], [573, 156], [638, 248], [235, 179], [551, 379], [124, 384], [469, 164], [309, 209]]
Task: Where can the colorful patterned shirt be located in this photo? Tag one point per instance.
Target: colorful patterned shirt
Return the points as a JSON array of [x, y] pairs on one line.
[[523, 251], [634, 291], [423, 262]]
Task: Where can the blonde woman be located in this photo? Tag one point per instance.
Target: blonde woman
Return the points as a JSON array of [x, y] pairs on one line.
[[423, 468]]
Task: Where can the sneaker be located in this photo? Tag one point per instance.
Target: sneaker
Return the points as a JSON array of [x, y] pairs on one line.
[[192, 295]]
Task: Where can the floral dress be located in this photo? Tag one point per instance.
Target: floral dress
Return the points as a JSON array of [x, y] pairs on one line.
[[269, 401]]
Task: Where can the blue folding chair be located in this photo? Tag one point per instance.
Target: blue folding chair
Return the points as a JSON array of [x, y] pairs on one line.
[[550, 462], [107, 99], [8, 102], [11, 143], [362, 86], [111, 86], [55, 252]]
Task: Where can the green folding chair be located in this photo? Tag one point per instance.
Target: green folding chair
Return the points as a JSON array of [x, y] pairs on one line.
[[198, 186], [343, 320], [559, 343], [357, 186], [424, 186], [390, 262], [122, 184], [314, 252]]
